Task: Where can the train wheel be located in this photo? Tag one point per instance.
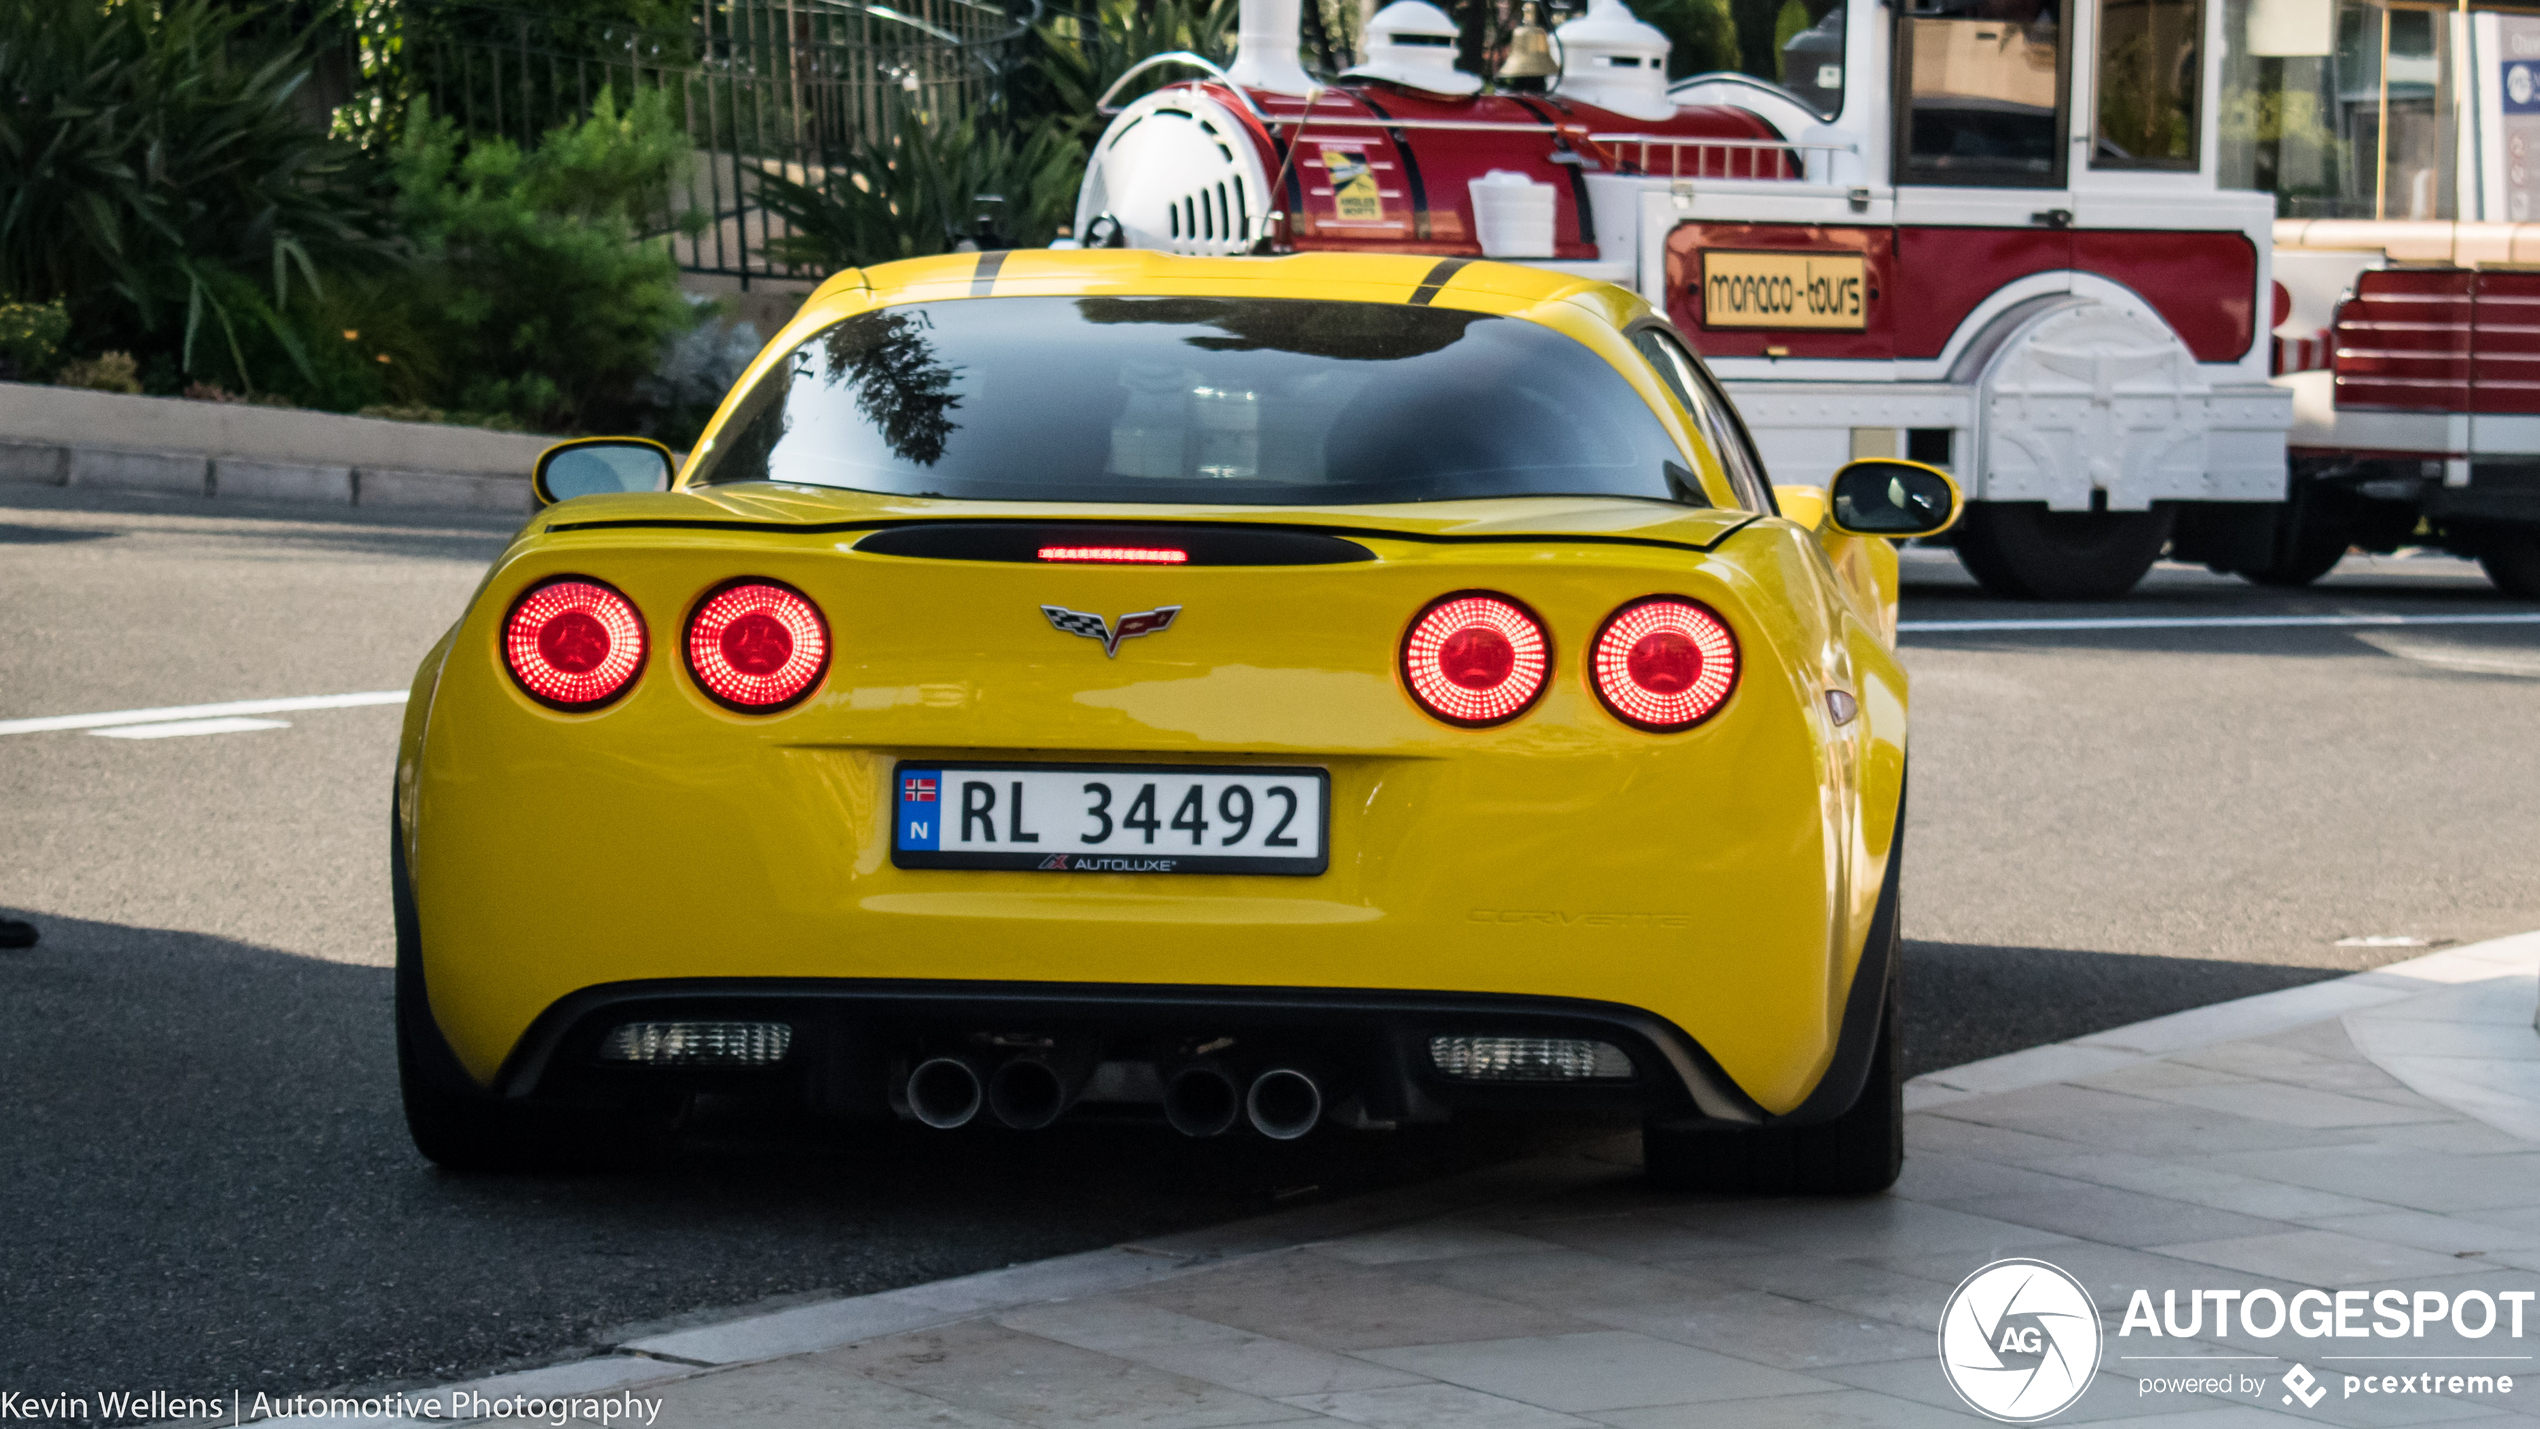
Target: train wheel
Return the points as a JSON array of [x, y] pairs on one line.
[[2022, 551], [2511, 558], [2311, 551], [2312, 530]]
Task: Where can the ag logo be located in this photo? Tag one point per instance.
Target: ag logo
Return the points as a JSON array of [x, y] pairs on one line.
[[2019, 1341]]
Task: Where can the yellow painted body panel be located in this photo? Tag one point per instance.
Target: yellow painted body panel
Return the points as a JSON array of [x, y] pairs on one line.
[[1722, 878]]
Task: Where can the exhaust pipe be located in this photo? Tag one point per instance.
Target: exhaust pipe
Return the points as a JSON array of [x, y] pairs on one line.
[[1284, 1103], [944, 1092], [1028, 1093], [1201, 1100]]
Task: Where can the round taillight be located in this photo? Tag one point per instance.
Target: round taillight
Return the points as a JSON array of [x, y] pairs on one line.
[[1664, 663], [1475, 658], [573, 643], [757, 646]]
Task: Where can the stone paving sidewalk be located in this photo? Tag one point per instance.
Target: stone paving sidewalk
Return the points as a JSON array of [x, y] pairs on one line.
[[2376, 1131]]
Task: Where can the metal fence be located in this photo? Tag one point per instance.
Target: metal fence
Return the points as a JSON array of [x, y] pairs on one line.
[[785, 85]]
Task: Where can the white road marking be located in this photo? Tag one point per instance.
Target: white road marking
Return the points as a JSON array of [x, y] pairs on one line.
[[194, 712], [2211, 622], [2444, 654], [177, 728]]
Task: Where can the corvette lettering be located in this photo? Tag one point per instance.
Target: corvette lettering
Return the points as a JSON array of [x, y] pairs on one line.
[[1092, 626], [1559, 918]]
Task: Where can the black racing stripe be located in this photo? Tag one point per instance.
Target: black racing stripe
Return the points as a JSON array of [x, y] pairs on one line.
[[1410, 170], [1578, 173], [1439, 277], [984, 281], [1426, 538]]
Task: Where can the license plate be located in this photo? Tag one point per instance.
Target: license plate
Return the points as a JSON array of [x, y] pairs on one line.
[[1111, 818], [1784, 290]]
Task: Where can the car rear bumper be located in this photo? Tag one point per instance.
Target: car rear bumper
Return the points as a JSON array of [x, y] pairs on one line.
[[854, 1041]]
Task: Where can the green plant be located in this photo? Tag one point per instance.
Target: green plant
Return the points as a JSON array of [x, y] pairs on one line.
[[106, 372], [1070, 58], [1701, 35], [31, 340], [147, 153], [516, 65], [535, 285], [916, 191], [2295, 148]]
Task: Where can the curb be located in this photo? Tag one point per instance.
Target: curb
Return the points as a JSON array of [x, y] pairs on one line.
[[66, 437], [808, 1329], [833, 1324], [2260, 1015]]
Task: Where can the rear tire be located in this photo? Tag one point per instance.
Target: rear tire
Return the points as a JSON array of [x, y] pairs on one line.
[[457, 1131], [471, 1131], [2019, 550], [1857, 1153], [2511, 558], [464, 1129]]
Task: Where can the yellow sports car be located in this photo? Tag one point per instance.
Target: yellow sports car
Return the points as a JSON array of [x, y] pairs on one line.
[[1248, 693]]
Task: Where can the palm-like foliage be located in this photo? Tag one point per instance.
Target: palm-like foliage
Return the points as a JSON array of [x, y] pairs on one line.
[[150, 153], [1073, 57], [918, 191]]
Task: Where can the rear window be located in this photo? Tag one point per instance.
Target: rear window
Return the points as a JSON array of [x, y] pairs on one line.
[[1234, 401]]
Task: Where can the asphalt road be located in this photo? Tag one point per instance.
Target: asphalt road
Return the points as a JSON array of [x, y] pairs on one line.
[[204, 1184], [2109, 824]]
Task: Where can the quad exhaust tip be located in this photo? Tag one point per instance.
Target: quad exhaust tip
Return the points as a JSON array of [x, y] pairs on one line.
[[945, 1093], [1284, 1103], [1027, 1094], [1201, 1100]]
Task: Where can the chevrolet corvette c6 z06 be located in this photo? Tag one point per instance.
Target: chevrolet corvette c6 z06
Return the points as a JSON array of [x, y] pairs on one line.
[[1247, 693]]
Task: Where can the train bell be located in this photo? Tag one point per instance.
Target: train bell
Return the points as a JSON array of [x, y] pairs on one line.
[[1530, 65]]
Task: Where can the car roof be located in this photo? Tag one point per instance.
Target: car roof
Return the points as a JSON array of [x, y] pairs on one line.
[[1474, 284]]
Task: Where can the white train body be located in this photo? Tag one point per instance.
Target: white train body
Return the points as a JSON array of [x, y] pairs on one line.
[[2080, 336]]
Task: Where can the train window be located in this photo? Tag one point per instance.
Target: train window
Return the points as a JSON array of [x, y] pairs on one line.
[[1983, 93], [2151, 67], [1795, 46]]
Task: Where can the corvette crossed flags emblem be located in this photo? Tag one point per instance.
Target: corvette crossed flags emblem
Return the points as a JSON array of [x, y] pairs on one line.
[[1092, 627]]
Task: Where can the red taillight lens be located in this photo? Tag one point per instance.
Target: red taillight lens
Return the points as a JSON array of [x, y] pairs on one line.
[[1118, 555], [1664, 663], [573, 643], [757, 646], [1475, 658]]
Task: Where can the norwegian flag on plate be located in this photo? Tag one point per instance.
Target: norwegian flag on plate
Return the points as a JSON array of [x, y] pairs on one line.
[[917, 791]]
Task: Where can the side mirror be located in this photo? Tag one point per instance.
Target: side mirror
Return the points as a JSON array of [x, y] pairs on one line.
[[1885, 497], [593, 466]]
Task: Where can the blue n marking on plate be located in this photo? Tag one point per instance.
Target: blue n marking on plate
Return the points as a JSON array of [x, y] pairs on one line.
[[921, 804]]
